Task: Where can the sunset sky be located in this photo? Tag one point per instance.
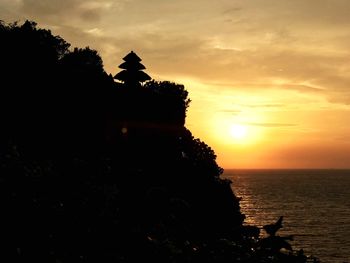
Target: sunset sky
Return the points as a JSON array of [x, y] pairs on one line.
[[269, 80]]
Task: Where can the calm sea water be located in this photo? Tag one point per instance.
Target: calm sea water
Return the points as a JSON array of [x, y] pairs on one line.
[[315, 205]]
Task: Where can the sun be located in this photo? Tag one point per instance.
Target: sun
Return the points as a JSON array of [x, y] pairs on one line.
[[238, 132]]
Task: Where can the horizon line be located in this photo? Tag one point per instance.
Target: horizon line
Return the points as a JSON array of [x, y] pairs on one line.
[[300, 168]]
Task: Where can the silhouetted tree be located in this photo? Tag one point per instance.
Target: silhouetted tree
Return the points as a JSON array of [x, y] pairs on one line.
[[169, 101], [83, 61]]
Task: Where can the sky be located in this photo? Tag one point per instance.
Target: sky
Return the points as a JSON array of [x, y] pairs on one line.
[[269, 80]]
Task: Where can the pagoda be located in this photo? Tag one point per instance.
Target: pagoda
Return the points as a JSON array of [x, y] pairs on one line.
[[132, 74]]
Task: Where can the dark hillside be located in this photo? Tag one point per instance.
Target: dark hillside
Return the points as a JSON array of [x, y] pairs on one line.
[[94, 170]]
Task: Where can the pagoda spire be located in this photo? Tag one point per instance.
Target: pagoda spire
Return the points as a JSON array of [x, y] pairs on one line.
[[132, 74]]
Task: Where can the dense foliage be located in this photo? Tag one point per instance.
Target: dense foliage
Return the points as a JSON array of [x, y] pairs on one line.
[[93, 171]]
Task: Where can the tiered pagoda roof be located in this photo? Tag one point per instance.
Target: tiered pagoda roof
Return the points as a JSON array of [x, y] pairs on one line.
[[132, 73]]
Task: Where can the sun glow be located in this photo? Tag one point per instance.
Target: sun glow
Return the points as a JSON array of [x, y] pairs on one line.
[[238, 132]]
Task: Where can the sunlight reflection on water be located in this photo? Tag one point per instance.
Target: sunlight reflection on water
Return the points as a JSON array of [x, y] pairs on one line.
[[315, 205]]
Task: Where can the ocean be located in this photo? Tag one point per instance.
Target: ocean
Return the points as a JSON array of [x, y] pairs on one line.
[[315, 205]]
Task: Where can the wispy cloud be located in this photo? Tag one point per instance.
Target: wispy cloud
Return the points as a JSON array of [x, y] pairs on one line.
[[301, 88], [231, 10], [49, 7], [268, 105], [66, 11], [269, 125], [345, 139], [232, 112]]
